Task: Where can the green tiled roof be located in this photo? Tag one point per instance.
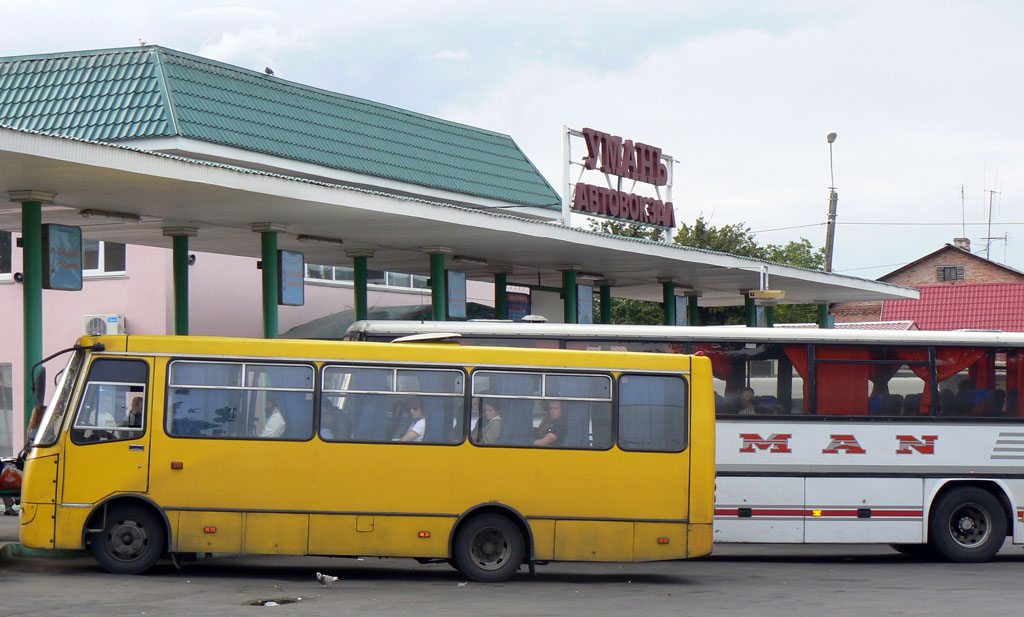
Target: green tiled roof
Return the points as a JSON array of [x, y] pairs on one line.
[[122, 94]]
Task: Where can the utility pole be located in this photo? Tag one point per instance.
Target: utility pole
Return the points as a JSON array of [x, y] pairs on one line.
[[833, 200]]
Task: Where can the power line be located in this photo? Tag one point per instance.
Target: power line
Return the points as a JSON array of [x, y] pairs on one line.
[[902, 263], [790, 227], [888, 223]]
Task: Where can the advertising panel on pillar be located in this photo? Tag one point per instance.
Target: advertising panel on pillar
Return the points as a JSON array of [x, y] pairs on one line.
[[637, 182]]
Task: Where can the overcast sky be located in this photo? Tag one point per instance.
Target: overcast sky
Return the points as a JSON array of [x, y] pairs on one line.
[[926, 96]]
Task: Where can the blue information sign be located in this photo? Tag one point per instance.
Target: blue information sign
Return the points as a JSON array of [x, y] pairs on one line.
[[518, 305], [584, 304], [456, 286], [682, 311], [291, 269], [62, 257]]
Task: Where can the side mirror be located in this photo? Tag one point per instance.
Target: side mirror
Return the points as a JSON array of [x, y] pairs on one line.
[[39, 386]]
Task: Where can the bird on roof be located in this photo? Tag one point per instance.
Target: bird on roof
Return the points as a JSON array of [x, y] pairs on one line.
[[268, 70], [143, 43]]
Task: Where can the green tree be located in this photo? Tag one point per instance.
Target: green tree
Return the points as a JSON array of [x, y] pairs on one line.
[[626, 310], [738, 240], [735, 239]]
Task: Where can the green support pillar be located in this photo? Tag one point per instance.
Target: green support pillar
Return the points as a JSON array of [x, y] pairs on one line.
[[750, 309], [769, 316], [359, 287], [268, 255], [823, 315], [668, 300], [359, 280], [32, 283], [569, 295], [179, 261], [438, 295], [606, 303], [692, 312], [500, 295]]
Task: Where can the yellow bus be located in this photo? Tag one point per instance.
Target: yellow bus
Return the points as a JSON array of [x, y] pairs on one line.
[[488, 458]]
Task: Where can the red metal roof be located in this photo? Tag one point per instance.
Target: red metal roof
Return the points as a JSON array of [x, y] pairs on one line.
[[905, 324], [983, 306]]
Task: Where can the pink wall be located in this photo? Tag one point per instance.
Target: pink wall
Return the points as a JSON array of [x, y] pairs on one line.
[[224, 300], [138, 296]]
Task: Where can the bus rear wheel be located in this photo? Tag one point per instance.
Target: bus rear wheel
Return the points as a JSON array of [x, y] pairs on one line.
[[131, 541], [488, 548], [967, 525]]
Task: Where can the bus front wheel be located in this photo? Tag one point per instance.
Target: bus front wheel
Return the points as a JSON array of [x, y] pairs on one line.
[[967, 525], [488, 548], [131, 541]]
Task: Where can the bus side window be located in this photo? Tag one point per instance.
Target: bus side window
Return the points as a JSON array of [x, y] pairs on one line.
[[652, 413], [113, 405]]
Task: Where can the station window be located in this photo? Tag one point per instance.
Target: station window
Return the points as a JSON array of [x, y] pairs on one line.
[[6, 409], [343, 274], [101, 258], [6, 250]]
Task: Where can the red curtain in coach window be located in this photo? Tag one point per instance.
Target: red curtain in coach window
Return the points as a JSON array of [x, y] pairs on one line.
[[721, 360], [948, 362], [724, 365], [1014, 383], [797, 355], [842, 388], [983, 372], [882, 373]]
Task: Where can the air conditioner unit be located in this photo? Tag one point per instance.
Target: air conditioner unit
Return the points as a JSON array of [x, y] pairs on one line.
[[98, 325]]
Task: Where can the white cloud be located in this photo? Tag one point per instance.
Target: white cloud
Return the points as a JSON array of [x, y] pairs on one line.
[[459, 55], [924, 95], [921, 99]]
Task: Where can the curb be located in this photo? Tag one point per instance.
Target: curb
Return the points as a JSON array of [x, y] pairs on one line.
[[14, 550]]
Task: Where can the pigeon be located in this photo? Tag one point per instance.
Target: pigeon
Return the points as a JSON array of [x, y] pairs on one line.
[[142, 43], [268, 70], [325, 579]]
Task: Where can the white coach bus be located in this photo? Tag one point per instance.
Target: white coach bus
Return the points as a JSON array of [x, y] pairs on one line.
[[908, 438]]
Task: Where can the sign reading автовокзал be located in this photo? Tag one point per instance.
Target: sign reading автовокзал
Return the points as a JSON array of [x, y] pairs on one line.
[[625, 159]]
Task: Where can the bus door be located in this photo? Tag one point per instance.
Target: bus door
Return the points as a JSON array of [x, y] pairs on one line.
[[107, 449]]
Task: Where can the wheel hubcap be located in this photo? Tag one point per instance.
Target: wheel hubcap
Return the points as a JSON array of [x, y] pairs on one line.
[[969, 526], [490, 550], [127, 540]]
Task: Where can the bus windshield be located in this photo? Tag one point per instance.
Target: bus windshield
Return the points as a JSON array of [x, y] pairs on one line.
[[53, 419]]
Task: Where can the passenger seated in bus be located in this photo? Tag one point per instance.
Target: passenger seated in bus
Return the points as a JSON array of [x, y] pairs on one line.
[[969, 401], [274, 425], [746, 403], [947, 403], [134, 418], [334, 424], [418, 425], [767, 405], [553, 428], [488, 427], [998, 401], [912, 405]]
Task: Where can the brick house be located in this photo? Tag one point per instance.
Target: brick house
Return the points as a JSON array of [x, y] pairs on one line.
[[958, 290]]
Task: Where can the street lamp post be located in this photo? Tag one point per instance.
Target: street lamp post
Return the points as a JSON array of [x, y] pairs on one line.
[[833, 200]]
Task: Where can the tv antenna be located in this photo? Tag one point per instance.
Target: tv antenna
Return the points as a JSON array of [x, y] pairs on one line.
[[989, 238]]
